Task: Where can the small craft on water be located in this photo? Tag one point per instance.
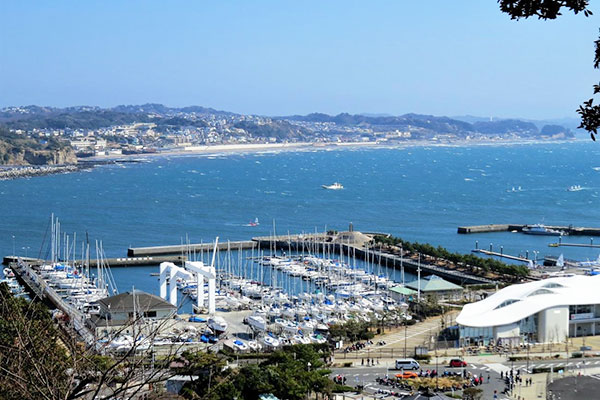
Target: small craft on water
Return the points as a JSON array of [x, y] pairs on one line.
[[335, 186], [539, 229], [574, 188]]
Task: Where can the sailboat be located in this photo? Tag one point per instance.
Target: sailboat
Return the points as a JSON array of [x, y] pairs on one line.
[[253, 223]]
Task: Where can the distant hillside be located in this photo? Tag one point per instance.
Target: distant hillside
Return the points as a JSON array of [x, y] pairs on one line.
[[295, 127], [73, 118], [429, 125], [159, 109], [281, 130], [18, 150], [84, 117]]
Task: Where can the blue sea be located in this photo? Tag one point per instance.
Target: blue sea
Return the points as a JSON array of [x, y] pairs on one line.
[[418, 193]]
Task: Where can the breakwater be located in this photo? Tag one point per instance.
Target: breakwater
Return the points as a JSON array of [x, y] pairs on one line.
[[567, 229], [28, 171]]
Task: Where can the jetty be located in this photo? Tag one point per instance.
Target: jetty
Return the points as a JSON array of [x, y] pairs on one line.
[[567, 229], [38, 287], [502, 255], [112, 262], [186, 248]]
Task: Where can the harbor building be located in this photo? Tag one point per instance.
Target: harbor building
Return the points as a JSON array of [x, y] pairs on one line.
[[435, 287], [119, 311], [546, 311], [402, 293]]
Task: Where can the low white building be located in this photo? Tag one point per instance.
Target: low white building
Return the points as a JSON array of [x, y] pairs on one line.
[[545, 311]]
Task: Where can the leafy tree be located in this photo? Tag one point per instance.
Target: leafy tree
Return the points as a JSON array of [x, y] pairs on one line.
[[291, 373], [551, 9], [39, 361]]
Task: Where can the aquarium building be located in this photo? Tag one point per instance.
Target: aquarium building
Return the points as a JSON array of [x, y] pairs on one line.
[[545, 311]]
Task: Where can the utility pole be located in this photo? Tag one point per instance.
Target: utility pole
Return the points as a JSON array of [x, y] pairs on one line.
[[405, 328]]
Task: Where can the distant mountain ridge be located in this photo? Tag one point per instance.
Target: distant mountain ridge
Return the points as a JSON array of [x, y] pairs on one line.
[[296, 127], [427, 125]]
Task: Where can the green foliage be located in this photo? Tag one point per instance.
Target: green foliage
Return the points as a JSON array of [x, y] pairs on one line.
[[280, 130], [352, 330], [290, 373], [472, 393], [486, 264], [32, 363]]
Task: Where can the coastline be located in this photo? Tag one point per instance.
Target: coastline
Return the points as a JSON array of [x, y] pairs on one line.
[[225, 149], [15, 172]]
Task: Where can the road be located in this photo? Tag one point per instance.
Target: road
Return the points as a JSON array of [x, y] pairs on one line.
[[366, 375]]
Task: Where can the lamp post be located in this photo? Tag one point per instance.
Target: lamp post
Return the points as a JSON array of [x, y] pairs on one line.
[[13, 238], [405, 328], [308, 365]]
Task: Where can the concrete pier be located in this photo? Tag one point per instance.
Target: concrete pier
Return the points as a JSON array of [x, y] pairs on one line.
[[567, 229], [501, 255], [185, 248], [112, 262], [41, 290]]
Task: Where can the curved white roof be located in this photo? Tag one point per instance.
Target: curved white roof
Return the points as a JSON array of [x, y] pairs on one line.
[[516, 302]]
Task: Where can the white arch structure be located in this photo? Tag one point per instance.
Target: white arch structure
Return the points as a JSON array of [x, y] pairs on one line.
[[194, 271]]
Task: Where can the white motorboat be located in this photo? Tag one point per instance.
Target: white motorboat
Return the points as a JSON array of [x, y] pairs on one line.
[[217, 324], [257, 322], [335, 186], [270, 341]]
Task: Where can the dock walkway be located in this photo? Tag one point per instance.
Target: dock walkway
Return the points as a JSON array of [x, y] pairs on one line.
[[44, 292], [186, 248]]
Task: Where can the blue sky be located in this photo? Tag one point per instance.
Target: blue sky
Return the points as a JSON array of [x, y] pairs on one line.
[[281, 57]]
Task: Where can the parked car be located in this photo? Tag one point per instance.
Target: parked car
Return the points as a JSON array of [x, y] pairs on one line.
[[407, 363], [457, 363], [407, 375]]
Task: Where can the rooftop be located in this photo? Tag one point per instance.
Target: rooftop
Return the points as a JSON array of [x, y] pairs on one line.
[[433, 283], [403, 290], [515, 302], [124, 302]]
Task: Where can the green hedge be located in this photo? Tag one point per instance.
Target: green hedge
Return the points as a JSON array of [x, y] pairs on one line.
[[486, 264]]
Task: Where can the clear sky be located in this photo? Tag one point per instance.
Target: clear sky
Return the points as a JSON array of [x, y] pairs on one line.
[[441, 57]]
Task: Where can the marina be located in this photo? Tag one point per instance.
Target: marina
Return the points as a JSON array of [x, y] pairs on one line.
[[263, 293]]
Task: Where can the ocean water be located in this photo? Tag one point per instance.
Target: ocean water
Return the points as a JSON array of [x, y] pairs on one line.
[[418, 193]]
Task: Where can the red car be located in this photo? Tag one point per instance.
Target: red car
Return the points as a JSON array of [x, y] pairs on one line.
[[455, 362]]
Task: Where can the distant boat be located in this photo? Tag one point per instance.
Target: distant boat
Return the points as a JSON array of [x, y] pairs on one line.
[[539, 229], [574, 188], [513, 189], [253, 223], [335, 186]]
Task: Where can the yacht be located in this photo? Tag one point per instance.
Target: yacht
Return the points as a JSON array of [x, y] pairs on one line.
[[539, 229], [335, 186]]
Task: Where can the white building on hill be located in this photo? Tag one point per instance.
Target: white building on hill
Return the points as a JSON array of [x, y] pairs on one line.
[[545, 311]]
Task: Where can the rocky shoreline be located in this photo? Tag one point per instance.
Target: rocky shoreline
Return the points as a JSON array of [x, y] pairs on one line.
[[7, 173]]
